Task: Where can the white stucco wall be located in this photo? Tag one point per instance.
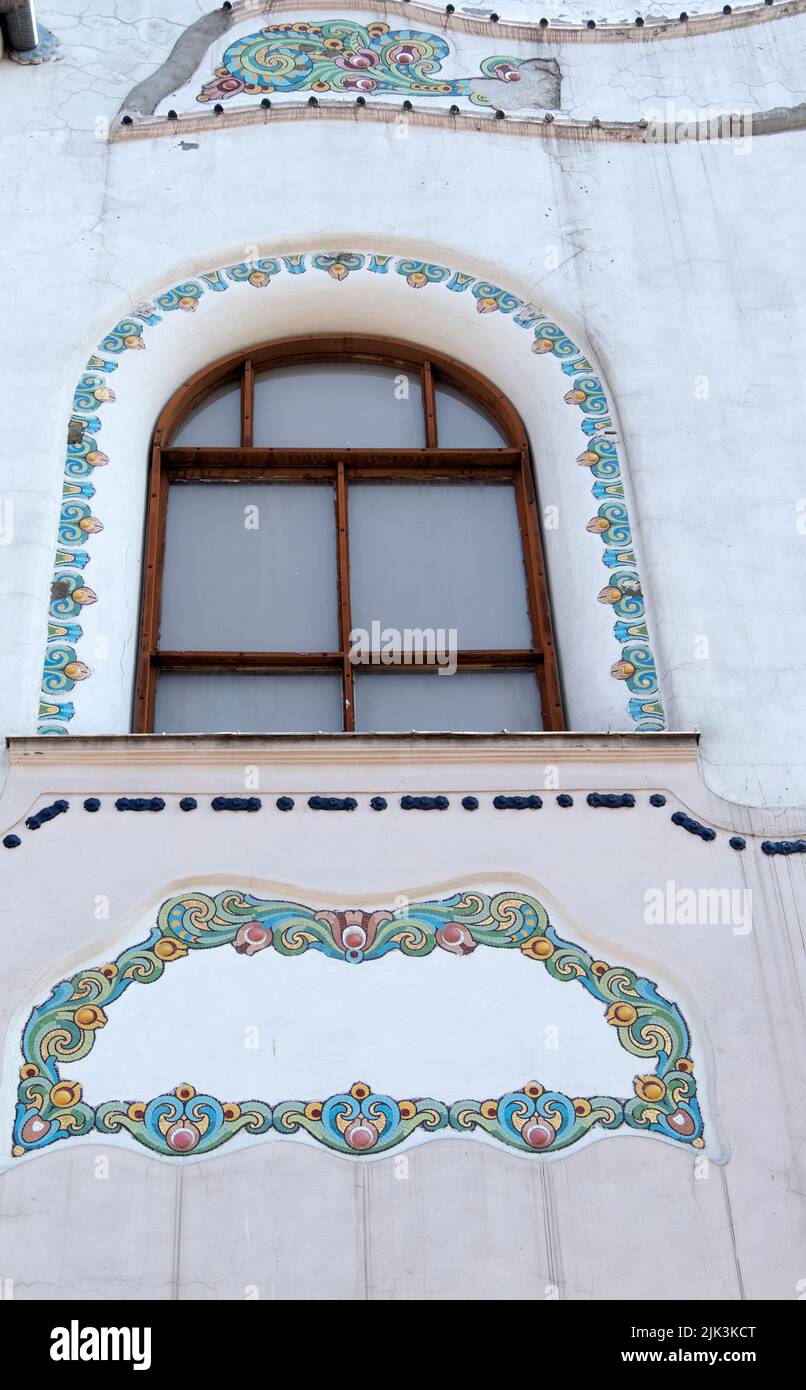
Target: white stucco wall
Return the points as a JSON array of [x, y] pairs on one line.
[[462, 1213], [677, 270], [676, 264]]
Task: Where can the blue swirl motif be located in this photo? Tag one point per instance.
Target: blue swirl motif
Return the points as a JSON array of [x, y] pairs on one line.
[[185, 296], [420, 273], [338, 264], [624, 594], [91, 392], [256, 273], [611, 524], [587, 393], [62, 1030], [549, 338], [599, 454], [126, 335], [490, 297], [642, 679], [77, 523], [62, 670]]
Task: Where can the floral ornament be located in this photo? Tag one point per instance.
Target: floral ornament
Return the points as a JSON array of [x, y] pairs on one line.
[[635, 666], [359, 1122], [354, 932], [183, 1122], [62, 1030], [339, 55], [537, 1120]]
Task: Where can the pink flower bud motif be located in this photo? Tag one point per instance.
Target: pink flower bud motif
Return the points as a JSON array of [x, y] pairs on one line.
[[252, 937], [363, 58], [360, 84], [182, 1136], [354, 931], [537, 1133], [455, 938], [361, 1134]]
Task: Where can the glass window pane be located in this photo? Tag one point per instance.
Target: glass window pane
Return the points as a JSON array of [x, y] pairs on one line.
[[223, 702], [468, 701], [332, 405], [461, 424], [216, 422], [439, 555], [250, 567]]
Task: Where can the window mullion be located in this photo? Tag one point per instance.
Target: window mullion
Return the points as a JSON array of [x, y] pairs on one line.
[[247, 403], [152, 593], [345, 618], [429, 406]]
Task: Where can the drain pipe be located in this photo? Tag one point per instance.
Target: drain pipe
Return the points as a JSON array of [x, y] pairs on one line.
[[20, 33]]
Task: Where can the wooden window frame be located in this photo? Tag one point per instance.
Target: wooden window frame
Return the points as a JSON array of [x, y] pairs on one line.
[[340, 467]]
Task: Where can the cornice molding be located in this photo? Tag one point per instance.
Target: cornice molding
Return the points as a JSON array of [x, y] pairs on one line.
[[148, 750]]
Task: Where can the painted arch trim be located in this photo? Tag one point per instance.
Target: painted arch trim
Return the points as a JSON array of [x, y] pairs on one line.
[[65, 671], [356, 1123]]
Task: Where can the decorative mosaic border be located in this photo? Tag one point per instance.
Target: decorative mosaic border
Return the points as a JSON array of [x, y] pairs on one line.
[[532, 1120], [64, 671]]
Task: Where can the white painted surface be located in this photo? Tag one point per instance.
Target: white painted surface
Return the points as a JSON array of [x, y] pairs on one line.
[[447, 1027], [591, 868], [671, 265], [674, 264]]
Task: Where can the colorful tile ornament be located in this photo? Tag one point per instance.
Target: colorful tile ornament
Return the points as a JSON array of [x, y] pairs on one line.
[[635, 665], [339, 55], [63, 1029]]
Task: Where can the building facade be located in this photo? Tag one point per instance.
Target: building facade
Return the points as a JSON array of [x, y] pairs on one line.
[[403, 545]]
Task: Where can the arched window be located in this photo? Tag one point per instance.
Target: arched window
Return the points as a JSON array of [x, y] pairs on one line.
[[342, 535]]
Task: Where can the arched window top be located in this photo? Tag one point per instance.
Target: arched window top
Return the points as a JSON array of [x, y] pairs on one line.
[[334, 524], [338, 404], [343, 392]]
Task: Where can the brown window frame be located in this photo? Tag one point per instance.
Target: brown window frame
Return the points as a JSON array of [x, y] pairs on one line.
[[340, 467]]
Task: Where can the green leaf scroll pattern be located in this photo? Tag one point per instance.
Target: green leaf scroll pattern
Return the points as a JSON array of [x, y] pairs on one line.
[[62, 1030]]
